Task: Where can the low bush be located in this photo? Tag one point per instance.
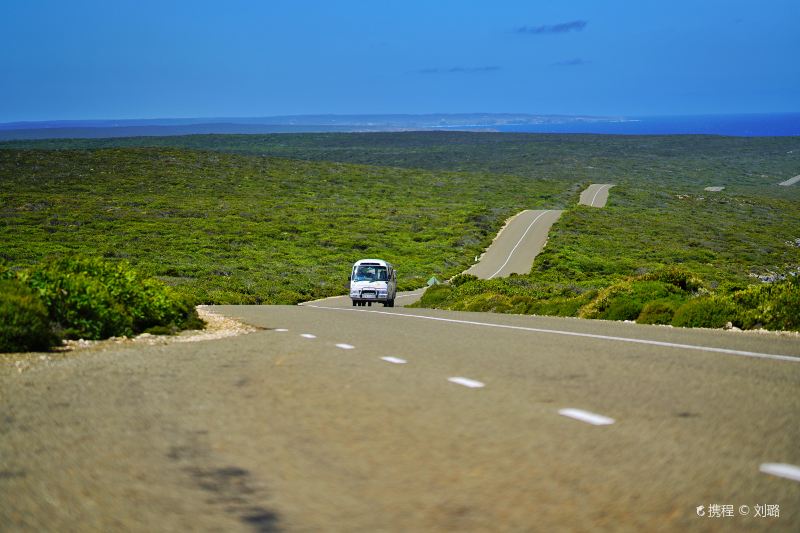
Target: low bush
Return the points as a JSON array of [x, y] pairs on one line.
[[597, 307], [626, 299], [677, 276], [622, 309], [659, 311], [92, 298], [561, 306], [461, 279], [24, 323], [705, 312], [434, 296], [771, 305], [486, 302]]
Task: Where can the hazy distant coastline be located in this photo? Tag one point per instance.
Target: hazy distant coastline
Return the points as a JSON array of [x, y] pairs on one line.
[[783, 124]]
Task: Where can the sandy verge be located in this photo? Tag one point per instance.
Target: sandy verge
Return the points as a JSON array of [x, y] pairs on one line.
[[217, 327]]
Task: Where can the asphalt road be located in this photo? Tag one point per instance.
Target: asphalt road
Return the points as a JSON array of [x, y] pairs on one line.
[[525, 235], [595, 195], [516, 246], [373, 419]]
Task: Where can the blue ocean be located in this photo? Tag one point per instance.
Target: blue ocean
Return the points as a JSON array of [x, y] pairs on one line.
[[766, 125]]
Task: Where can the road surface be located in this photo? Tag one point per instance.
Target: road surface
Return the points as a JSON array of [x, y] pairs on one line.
[[595, 195], [517, 245], [373, 419]]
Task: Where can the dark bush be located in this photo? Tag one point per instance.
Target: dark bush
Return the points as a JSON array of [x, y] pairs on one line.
[[677, 276], [659, 311], [705, 312], [24, 324], [622, 309], [461, 279]]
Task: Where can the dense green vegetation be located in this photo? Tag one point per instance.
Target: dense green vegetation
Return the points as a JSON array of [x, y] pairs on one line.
[[231, 229], [667, 296], [723, 238], [84, 298], [742, 164], [24, 324], [277, 218]]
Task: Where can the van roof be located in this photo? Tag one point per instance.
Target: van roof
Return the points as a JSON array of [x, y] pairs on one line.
[[376, 262]]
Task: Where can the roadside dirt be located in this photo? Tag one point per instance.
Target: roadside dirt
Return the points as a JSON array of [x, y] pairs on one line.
[[217, 327]]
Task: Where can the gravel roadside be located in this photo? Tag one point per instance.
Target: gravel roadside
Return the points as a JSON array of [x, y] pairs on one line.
[[217, 327]]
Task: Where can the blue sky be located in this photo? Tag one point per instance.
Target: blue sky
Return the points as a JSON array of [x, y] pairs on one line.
[[92, 59]]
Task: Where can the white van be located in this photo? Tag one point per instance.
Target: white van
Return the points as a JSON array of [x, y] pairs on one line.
[[373, 280]]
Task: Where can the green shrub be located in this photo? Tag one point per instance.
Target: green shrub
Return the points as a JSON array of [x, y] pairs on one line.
[[705, 312], [95, 299], [659, 311], [622, 309], [487, 302], [677, 276], [24, 324], [561, 306], [461, 279], [435, 296], [597, 307], [626, 299], [771, 305]]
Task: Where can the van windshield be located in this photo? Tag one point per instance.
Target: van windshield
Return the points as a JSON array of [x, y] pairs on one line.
[[370, 273]]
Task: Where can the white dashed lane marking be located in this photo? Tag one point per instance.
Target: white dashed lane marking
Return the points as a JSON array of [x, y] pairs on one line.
[[281, 330], [395, 360], [345, 346], [782, 470], [471, 383], [586, 416], [308, 336]]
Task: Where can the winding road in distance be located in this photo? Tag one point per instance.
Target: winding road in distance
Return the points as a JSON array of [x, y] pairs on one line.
[[336, 418], [517, 245], [524, 236], [595, 195]]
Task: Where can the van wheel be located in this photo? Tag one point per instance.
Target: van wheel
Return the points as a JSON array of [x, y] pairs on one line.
[[355, 303], [389, 303]]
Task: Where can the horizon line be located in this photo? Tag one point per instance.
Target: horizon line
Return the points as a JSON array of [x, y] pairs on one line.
[[215, 119]]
